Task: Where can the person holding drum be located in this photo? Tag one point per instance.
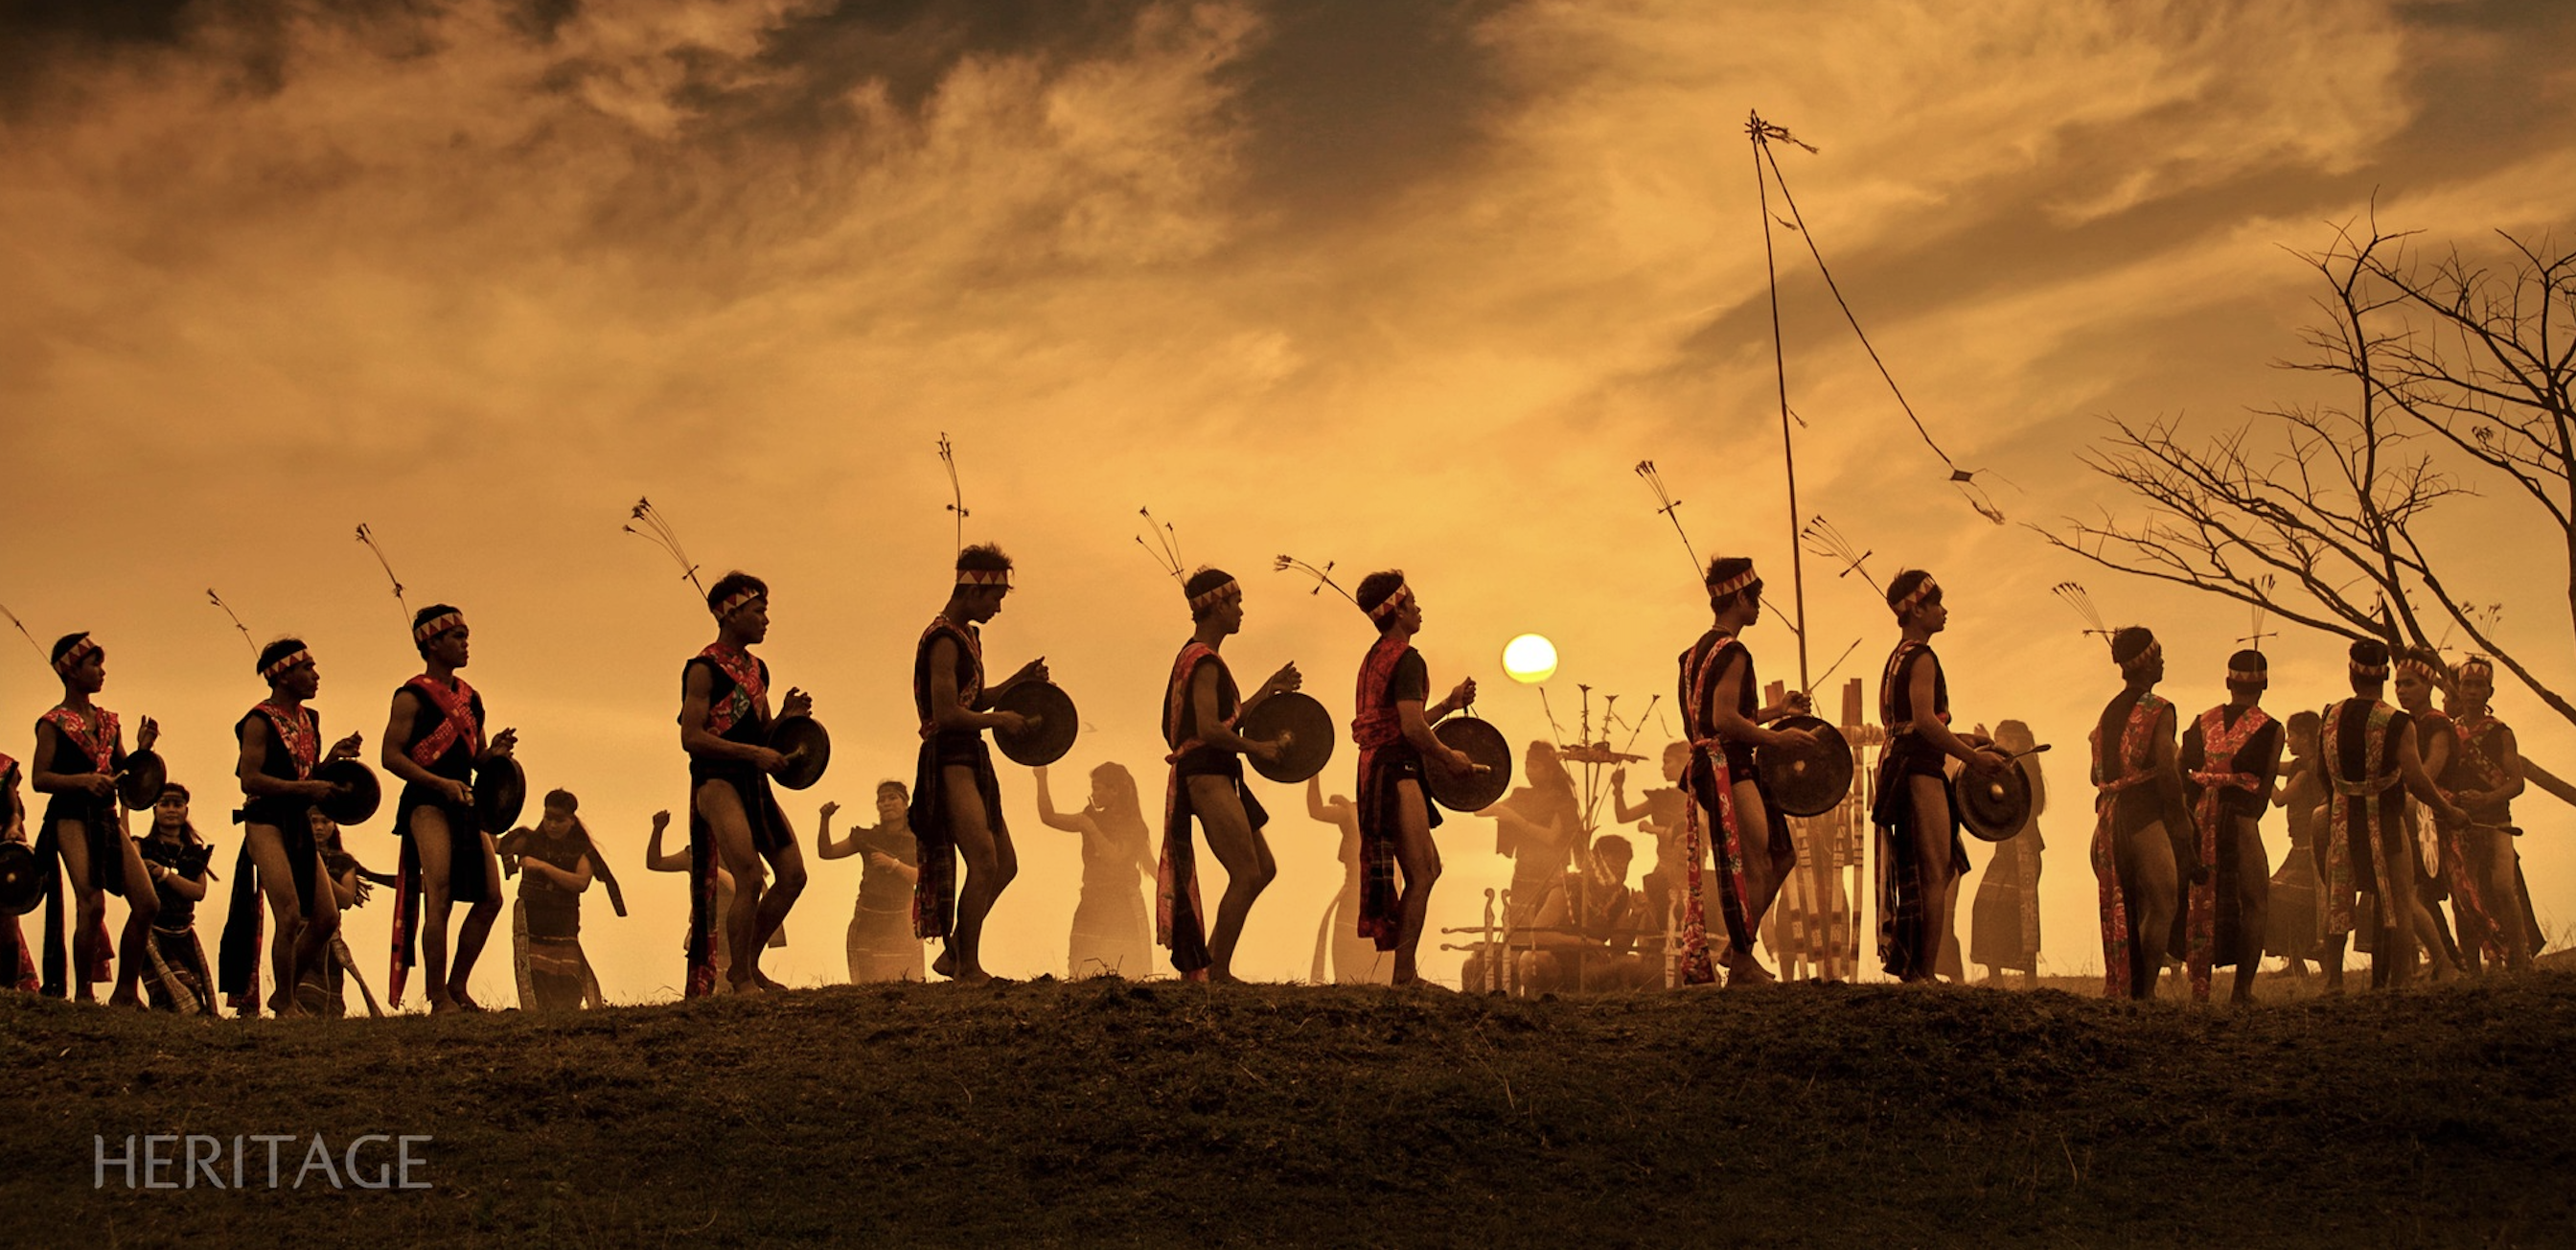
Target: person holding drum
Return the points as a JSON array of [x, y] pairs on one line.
[[434, 741], [734, 818], [2231, 758], [1721, 713], [1393, 734], [280, 745], [1917, 830], [956, 797], [1201, 706], [80, 751]]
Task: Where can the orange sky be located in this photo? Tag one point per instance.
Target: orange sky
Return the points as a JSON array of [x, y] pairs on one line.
[[1397, 285]]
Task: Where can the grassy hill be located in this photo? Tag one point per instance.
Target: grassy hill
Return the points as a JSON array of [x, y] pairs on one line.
[[1171, 1114]]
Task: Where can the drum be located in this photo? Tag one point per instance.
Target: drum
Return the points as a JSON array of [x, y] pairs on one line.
[[1480, 742], [22, 881], [360, 794], [138, 784], [1992, 806], [1306, 727], [1807, 783], [500, 794], [1053, 723], [808, 749]]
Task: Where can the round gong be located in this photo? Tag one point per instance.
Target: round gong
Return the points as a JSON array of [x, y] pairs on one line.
[[1807, 782], [808, 748], [1306, 726], [1053, 723], [1481, 743], [1992, 806], [356, 801]]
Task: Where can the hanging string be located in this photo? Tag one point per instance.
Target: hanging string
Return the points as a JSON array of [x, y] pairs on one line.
[[956, 493], [367, 537], [658, 532], [218, 601], [1323, 577], [1820, 537], [1166, 547], [1763, 133], [31, 638], [1669, 507]]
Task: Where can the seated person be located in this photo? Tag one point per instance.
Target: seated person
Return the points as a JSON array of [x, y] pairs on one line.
[[1586, 929]]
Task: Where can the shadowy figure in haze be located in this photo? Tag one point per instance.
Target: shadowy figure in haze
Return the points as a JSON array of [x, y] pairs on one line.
[[434, 742], [2232, 758], [17, 962], [1113, 934], [1585, 930], [956, 797], [1342, 956], [734, 817], [1200, 708], [2295, 924], [2371, 764], [1393, 733], [2143, 839], [1658, 814], [175, 857], [79, 751], [280, 743], [1748, 834], [1537, 826], [1917, 832], [881, 946], [2416, 674], [2003, 933]]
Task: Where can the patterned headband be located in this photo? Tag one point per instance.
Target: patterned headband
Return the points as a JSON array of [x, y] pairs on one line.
[[2249, 677], [435, 626], [1733, 584], [2143, 660], [984, 577], [1394, 603], [1231, 588], [72, 658], [2432, 676], [2369, 672], [278, 667], [1905, 606], [733, 603], [2480, 665]]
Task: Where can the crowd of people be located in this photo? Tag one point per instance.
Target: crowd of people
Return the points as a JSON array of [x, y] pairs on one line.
[[2392, 810]]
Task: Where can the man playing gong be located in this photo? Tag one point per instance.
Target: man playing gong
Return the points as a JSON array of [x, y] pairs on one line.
[[2232, 758], [956, 797], [280, 741], [1201, 707], [434, 741], [1393, 734], [1918, 833], [79, 751], [1747, 830], [734, 819]]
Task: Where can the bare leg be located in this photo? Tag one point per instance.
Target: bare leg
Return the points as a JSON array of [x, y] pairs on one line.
[[1419, 860], [142, 903], [2253, 908], [1931, 803], [2148, 878], [721, 808], [477, 928], [991, 862], [1763, 877], [1249, 867], [429, 840], [286, 911], [2392, 959], [89, 904], [789, 864], [2495, 852]]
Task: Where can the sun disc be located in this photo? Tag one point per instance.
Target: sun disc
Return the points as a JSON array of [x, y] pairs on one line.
[[1529, 659]]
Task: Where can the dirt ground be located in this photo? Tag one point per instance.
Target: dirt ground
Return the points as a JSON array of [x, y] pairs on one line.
[[1164, 1114]]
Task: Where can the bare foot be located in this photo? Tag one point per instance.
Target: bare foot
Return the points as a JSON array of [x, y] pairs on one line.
[[745, 987], [464, 1002], [767, 982], [972, 976], [946, 964], [1748, 973], [444, 1006]]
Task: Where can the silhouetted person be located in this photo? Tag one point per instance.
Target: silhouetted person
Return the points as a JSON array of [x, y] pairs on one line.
[[280, 744], [1918, 833], [1342, 956], [2371, 764], [2490, 777], [2231, 756], [2003, 932], [956, 796], [175, 857], [734, 817], [1393, 734], [17, 961], [79, 751], [880, 944], [434, 740], [2139, 858]]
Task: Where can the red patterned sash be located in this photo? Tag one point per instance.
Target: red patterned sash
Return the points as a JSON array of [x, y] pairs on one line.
[[2136, 748], [2217, 774], [456, 719], [1376, 723], [96, 734], [749, 688], [2359, 799], [1176, 873], [296, 731]]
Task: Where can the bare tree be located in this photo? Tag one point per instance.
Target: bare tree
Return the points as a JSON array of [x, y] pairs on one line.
[[2317, 512]]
